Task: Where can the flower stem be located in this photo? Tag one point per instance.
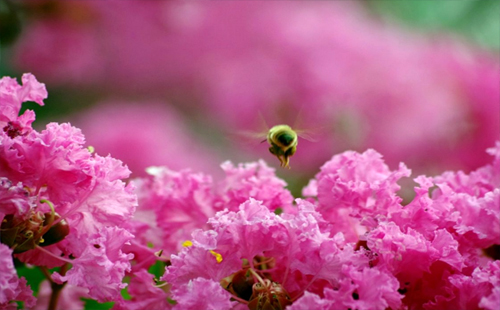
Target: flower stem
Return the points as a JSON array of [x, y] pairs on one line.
[[54, 297], [56, 288], [46, 273]]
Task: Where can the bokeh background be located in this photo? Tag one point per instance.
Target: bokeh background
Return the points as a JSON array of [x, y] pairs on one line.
[[176, 83]]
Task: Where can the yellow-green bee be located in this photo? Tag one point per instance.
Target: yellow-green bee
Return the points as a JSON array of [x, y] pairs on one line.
[[283, 142], [282, 139]]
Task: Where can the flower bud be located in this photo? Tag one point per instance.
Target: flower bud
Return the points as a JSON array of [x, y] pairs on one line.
[[56, 233]]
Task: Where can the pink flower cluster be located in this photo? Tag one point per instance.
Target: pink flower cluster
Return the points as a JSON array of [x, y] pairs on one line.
[[172, 204], [240, 242], [351, 244], [60, 204]]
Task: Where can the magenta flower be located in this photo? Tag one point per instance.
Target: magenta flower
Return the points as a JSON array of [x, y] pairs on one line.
[[60, 204], [144, 134], [145, 294], [11, 287], [356, 189], [174, 204], [171, 205], [12, 95], [426, 254], [255, 180], [240, 241], [202, 293], [262, 253]]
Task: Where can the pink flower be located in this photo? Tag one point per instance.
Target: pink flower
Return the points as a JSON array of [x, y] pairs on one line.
[[145, 294], [174, 204], [202, 293], [351, 243], [477, 290], [100, 264], [14, 199], [12, 95], [409, 255], [255, 180], [478, 182], [60, 204], [366, 289], [294, 249], [11, 287], [146, 133], [353, 186], [466, 205], [422, 255]]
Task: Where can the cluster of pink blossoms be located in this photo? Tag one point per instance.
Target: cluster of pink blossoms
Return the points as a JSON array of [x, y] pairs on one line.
[[350, 244], [60, 204], [241, 242]]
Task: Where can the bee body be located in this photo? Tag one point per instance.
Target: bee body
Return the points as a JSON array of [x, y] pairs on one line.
[[283, 142]]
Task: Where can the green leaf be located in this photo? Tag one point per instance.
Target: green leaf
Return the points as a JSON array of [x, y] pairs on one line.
[[91, 304], [158, 269]]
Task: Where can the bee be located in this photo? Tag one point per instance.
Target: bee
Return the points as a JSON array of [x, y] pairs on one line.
[[283, 141]]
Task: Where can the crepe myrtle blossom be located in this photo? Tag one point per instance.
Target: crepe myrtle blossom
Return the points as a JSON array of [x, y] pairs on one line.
[[12, 288], [172, 204], [268, 261], [60, 204], [440, 250], [349, 244]]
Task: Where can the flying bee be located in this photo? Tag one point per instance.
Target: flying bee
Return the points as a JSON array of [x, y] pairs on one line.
[[283, 142], [282, 139]]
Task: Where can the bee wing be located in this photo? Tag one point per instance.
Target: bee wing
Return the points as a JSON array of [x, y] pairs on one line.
[[303, 128], [314, 134], [251, 136], [248, 137], [307, 134]]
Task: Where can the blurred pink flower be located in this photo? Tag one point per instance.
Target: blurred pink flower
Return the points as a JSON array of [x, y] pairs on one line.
[[480, 290], [12, 288], [144, 134], [71, 298], [431, 102], [145, 294]]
